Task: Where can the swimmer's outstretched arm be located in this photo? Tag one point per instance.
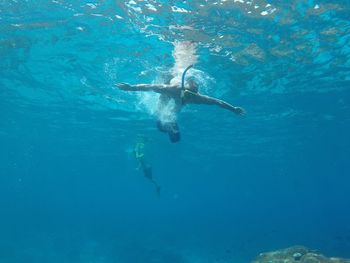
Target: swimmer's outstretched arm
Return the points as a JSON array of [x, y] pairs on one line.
[[202, 99], [159, 88]]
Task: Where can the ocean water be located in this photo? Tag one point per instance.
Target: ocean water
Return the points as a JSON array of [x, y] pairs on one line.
[[71, 189]]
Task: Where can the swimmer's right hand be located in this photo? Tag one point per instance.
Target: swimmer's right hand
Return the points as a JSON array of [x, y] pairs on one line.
[[124, 86]]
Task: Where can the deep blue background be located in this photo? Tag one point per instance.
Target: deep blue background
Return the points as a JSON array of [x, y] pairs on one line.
[[70, 190]]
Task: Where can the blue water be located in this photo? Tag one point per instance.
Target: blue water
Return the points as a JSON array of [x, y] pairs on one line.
[[233, 187]]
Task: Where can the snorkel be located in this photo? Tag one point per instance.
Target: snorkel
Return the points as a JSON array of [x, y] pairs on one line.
[[183, 81], [183, 77]]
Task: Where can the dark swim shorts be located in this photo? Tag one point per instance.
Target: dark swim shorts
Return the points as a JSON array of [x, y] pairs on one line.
[[171, 128]]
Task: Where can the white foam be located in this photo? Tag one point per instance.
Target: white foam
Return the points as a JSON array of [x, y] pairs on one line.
[[167, 114], [268, 12], [147, 102], [179, 9], [184, 54], [137, 9], [151, 7], [92, 6]]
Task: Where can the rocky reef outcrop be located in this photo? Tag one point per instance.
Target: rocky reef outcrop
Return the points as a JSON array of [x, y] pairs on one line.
[[297, 254]]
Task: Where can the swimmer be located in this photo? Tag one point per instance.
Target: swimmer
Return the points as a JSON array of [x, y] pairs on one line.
[[181, 95], [139, 152]]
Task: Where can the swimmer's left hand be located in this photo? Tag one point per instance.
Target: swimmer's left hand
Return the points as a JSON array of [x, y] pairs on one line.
[[240, 111]]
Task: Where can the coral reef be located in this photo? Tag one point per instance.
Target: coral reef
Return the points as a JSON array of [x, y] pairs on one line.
[[297, 254]]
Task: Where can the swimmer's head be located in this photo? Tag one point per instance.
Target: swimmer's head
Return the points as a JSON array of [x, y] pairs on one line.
[[192, 85]]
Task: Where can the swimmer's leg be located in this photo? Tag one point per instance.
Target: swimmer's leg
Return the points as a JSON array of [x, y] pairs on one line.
[[161, 127], [171, 128], [147, 172], [174, 132], [162, 103]]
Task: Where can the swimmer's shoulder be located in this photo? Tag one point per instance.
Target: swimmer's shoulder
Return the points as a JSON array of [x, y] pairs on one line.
[[172, 89], [173, 86]]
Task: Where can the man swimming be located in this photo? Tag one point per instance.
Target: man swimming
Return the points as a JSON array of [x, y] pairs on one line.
[[140, 152], [181, 95]]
